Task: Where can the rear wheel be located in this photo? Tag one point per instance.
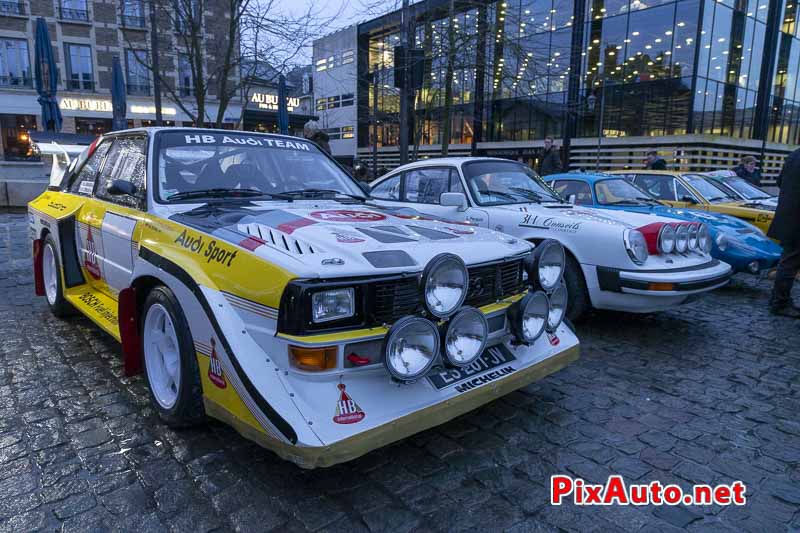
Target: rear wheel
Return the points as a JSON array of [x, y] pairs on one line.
[[579, 302], [51, 274], [170, 361]]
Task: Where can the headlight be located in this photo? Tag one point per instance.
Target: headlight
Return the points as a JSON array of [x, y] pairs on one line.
[[410, 348], [445, 285], [466, 337], [558, 308], [682, 239], [666, 239], [722, 242], [546, 264], [636, 245], [332, 305], [704, 239], [692, 242], [529, 316]]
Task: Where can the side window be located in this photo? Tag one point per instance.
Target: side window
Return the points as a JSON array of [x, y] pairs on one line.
[[580, 189], [681, 191], [388, 189], [662, 187], [126, 162], [426, 185], [455, 182], [85, 178]]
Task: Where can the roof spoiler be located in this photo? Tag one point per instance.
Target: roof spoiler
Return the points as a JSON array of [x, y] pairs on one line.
[[64, 147]]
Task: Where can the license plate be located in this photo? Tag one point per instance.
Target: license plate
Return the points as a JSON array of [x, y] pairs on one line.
[[492, 358]]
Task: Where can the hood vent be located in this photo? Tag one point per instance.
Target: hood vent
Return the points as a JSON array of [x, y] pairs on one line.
[[278, 239]]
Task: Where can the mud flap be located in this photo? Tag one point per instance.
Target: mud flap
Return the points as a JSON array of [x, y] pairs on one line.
[[38, 272], [129, 332]]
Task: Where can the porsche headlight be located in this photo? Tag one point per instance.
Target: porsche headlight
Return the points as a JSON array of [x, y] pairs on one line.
[[446, 281], [682, 239], [466, 337], [529, 317], [410, 348], [692, 242], [558, 308], [704, 239], [722, 241], [666, 239], [332, 305], [546, 264], [636, 245]]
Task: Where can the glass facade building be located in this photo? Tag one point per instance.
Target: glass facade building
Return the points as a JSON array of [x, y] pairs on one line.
[[525, 69]]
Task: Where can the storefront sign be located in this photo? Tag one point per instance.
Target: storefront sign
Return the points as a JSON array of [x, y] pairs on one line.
[[270, 101], [151, 110], [86, 104]]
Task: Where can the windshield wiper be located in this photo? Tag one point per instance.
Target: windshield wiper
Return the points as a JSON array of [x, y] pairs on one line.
[[486, 192], [222, 193], [536, 196], [317, 192]]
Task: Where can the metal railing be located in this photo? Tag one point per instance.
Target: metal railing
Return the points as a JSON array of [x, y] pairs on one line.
[[68, 13], [12, 8], [16, 81], [133, 21], [141, 89]]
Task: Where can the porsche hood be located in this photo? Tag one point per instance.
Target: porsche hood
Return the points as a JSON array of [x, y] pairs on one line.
[[320, 239]]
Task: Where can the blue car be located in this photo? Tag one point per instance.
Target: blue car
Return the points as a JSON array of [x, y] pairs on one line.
[[738, 243]]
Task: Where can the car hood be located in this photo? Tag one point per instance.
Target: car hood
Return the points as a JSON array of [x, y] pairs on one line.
[[329, 238]]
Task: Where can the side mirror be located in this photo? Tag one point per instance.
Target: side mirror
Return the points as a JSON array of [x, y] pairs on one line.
[[453, 199], [120, 187], [572, 199], [687, 198]]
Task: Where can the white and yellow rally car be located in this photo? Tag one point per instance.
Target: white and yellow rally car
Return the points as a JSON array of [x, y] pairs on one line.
[[248, 277]]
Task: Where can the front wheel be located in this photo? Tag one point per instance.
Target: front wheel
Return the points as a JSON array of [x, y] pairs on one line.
[[51, 275], [579, 302], [170, 361]]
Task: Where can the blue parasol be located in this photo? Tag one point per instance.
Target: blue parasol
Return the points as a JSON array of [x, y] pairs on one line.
[[46, 77], [119, 102], [283, 108]]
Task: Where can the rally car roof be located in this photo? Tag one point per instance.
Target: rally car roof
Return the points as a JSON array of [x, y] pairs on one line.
[[151, 130]]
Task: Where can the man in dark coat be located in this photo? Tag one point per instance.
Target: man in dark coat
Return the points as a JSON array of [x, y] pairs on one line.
[[654, 162], [785, 228], [550, 162], [747, 170]]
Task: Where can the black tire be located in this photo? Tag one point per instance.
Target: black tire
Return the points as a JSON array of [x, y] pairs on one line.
[[579, 303], [60, 307], [188, 408]]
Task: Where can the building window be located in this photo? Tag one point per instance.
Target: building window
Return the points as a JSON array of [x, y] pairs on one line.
[[347, 132], [133, 14], [74, 10], [136, 72], [16, 139], [12, 7], [80, 75], [322, 64], [348, 56], [187, 14], [185, 80], [92, 126], [347, 99], [15, 67]]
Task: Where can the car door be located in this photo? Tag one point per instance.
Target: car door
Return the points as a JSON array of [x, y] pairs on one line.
[[125, 162]]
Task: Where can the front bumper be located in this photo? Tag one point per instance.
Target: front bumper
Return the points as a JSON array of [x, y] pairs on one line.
[[665, 282]]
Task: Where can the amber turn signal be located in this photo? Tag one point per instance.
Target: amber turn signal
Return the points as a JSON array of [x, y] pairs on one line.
[[313, 359], [660, 287]]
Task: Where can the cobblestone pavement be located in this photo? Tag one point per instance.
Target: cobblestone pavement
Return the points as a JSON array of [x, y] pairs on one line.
[[708, 393]]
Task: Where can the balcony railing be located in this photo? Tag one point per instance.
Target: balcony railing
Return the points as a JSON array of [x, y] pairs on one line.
[[12, 8], [133, 21], [80, 85], [16, 81], [68, 13], [139, 89]]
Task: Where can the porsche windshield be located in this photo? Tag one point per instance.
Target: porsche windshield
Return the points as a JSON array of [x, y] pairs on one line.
[[710, 192], [506, 182], [193, 165], [745, 188]]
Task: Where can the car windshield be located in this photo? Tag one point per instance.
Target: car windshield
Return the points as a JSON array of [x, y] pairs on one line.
[[706, 187], [201, 164], [620, 191], [745, 188], [506, 182]]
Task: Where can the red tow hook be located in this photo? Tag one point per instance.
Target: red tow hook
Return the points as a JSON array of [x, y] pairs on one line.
[[357, 360]]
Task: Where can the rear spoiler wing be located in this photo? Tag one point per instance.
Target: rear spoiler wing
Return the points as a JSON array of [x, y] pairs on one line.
[[64, 148]]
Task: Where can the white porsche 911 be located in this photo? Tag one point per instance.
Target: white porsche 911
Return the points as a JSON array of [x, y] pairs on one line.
[[614, 260]]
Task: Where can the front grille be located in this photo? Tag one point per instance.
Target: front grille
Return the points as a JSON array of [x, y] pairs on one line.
[[392, 299]]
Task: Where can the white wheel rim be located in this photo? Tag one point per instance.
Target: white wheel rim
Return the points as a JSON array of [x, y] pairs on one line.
[[162, 356], [50, 274]]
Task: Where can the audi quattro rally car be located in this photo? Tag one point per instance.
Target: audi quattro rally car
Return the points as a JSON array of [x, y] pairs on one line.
[[247, 277], [614, 260]]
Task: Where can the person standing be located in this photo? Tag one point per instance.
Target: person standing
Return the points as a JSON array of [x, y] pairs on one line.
[[785, 228], [550, 162], [654, 162], [747, 170]]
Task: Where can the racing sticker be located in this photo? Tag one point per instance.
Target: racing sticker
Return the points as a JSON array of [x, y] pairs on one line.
[[215, 372], [549, 223], [347, 410], [347, 215], [553, 338], [90, 262]]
